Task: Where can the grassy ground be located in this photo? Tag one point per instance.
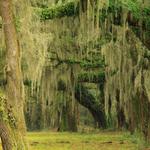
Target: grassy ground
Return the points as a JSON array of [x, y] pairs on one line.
[[80, 141]]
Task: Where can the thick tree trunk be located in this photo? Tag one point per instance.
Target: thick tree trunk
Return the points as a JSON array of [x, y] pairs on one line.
[[69, 120], [14, 85], [72, 117]]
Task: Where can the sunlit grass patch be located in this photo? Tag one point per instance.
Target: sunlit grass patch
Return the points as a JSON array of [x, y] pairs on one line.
[[80, 141]]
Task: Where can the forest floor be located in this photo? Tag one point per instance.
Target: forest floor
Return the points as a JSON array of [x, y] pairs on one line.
[[84, 141]]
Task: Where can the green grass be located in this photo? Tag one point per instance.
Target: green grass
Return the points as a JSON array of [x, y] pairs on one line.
[[82, 141]]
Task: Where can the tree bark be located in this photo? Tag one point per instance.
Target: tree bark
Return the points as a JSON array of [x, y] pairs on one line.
[[86, 99], [14, 87], [5, 137]]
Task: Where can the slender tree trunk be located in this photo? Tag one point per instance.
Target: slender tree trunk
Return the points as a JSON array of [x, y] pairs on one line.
[[14, 87]]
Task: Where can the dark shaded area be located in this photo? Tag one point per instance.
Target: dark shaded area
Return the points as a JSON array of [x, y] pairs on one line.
[[85, 98]]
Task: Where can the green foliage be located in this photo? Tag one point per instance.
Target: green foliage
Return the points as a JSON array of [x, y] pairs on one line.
[[58, 11], [17, 23], [3, 113], [70, 61], [146, 17], [93, 77], [135, 7], [6, 114], [95, 63], [72, 9]]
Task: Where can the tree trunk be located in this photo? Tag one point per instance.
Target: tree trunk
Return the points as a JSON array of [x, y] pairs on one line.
[[14, 87], [86, 99], [5, 137]]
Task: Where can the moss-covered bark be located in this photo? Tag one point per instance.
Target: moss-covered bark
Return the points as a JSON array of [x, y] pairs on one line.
[[14, 88], [126, 91], [86, 99]]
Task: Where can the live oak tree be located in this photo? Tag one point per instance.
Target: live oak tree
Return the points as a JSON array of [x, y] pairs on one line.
[[79, 32], [12, 128]]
